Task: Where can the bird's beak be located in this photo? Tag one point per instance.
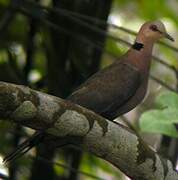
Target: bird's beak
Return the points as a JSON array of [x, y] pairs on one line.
[[166, 35]]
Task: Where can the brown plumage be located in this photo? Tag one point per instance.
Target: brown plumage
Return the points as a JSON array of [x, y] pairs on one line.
[[118, 88], [101, 94]]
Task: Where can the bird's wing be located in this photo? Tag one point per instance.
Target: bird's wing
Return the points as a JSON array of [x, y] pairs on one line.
[[107, 90]]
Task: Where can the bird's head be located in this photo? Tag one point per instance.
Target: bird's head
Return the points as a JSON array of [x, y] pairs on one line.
[[153, 31]]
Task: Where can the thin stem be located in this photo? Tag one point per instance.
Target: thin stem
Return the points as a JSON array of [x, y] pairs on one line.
[[163, 84], [73, 16], [94, 44], [84, 17]]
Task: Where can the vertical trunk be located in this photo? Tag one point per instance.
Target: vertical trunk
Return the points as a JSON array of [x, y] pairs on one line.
[[70, 62], [42, 169], [84, 59]]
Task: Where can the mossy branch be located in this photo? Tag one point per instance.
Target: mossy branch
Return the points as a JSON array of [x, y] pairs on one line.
[[60, 118]]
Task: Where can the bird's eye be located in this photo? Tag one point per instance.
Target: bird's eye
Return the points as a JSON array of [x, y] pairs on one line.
[[153, 28]]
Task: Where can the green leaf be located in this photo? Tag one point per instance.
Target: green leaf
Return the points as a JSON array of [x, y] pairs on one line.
[[168, 99], [160, 121], [163, 120]]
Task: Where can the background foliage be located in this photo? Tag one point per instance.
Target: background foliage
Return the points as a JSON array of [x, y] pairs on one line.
[[53, 50]]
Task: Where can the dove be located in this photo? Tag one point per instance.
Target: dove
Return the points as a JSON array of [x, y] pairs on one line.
[[116, 89]]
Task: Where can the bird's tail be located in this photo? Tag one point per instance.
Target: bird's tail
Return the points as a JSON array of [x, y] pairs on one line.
[[25, 146]]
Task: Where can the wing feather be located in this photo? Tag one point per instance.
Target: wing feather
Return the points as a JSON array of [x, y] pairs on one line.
[[107, 90]]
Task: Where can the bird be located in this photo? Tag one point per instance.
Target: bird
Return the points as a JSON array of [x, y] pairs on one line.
[[116, 89]]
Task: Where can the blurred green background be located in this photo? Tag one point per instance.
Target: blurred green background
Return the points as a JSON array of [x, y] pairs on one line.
[[50, 46]]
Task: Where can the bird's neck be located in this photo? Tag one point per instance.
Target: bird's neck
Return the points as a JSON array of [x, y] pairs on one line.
[[140, 55]]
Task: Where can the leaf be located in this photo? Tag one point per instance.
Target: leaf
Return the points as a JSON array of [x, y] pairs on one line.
[[162, 120], [168, 99]]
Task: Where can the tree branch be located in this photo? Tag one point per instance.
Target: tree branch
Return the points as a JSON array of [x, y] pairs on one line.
[[105, 139]]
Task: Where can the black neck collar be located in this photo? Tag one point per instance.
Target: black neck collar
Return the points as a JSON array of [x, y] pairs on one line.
[[137, 46]]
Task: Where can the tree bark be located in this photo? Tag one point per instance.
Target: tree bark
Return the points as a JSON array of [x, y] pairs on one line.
[[99, 136]]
